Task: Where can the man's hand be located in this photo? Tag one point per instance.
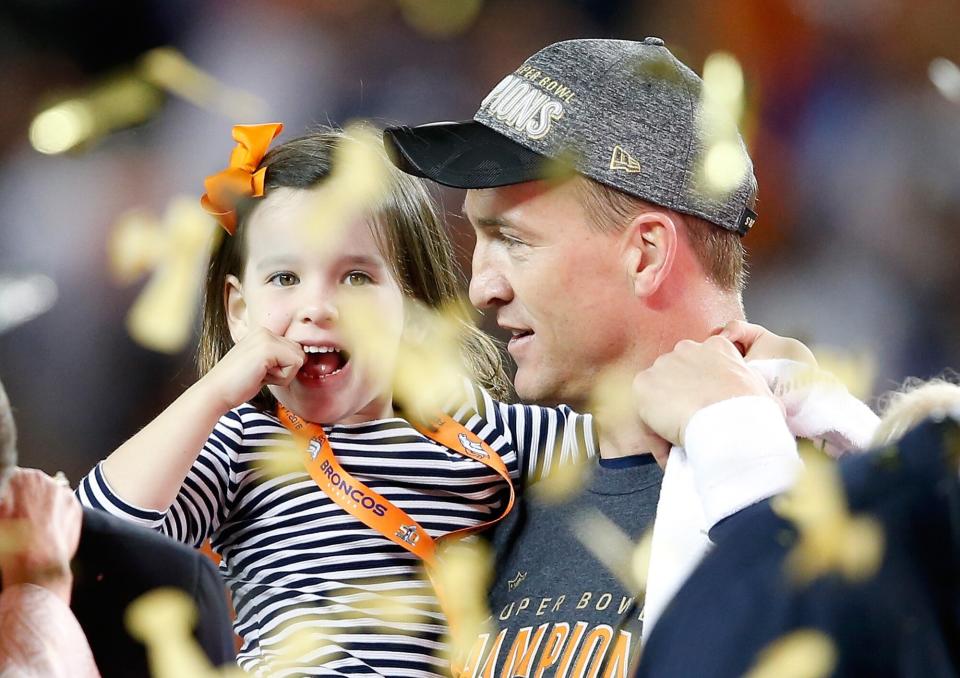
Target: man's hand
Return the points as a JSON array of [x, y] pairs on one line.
[[47, 518], [759, 343], [689, 378]]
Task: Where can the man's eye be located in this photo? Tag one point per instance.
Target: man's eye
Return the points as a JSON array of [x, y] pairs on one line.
[[510, 241], [283, 279], [357, 278]]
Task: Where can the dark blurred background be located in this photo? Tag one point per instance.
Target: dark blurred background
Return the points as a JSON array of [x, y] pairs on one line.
[[857, 155]]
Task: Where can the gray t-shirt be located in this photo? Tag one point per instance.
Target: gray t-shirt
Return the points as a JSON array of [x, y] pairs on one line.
[[555, 607]]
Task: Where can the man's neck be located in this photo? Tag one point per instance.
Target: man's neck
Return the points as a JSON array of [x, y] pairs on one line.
[[624, 436]]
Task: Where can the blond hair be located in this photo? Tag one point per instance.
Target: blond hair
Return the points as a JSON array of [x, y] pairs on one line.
[[915, 401]]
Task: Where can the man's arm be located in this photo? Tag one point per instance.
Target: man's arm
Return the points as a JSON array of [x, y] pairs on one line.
[[39, 636]]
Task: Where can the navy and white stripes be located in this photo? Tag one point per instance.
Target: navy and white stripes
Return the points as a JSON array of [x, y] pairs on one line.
[[310, 579]]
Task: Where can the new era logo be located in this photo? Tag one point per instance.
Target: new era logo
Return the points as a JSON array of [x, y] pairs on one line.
[[621, 161]]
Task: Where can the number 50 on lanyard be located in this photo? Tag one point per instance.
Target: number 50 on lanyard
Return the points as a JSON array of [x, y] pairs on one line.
[[378, 512]]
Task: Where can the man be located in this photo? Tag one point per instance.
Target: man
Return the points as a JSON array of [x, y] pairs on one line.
[[39, 636], [97, 565], [594, 272]]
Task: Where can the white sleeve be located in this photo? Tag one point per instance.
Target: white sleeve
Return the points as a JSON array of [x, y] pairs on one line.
[[741, 452]]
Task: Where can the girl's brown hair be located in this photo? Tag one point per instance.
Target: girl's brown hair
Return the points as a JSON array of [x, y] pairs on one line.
[[408, 227]]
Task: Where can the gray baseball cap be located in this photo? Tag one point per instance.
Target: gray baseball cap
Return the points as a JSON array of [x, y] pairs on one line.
[[623, 113]]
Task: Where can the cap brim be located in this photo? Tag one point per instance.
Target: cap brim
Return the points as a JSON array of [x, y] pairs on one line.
[[463, 155]]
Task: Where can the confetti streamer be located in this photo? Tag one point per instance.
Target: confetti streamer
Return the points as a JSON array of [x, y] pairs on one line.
[[640, 560], [176, 249], [23, 298], [359, 180], [168, 69], [802, 654], [464, 572], [612, 401], [721, 105], [132, 97], [14, 535], [945, 75], [163, 620], [429, 372], [77, 122], [855, 369], [565, 482], [830, 539], [440, 18], [280, 459], [614, 548]]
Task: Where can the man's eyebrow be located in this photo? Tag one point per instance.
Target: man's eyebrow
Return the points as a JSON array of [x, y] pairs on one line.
[[492, 223]]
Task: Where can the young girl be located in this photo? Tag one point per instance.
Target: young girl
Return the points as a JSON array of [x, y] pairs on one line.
[[299, 558]]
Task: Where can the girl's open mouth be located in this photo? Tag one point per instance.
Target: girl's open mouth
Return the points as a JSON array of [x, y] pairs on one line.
[[322, 362]]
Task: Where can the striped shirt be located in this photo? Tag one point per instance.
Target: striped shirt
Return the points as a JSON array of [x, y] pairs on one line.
[[316, 591]]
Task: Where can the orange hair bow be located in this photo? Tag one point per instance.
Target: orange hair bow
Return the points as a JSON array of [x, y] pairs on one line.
[[241, 178]]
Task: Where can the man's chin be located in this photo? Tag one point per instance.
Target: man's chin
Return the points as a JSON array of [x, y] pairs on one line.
[[531, 389]]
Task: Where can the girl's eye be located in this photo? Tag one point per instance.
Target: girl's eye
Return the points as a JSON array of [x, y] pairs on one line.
[[283, 279], [357, 278]]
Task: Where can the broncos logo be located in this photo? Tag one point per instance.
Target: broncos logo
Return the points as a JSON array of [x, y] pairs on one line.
[[472, 448]]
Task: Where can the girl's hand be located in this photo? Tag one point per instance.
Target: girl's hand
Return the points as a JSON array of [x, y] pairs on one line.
[[260, 358], [758, 343]]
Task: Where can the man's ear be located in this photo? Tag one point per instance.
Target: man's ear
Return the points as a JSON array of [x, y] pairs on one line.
[[236, 307], [649, 249]]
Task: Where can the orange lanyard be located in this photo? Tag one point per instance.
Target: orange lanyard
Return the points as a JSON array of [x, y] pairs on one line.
[[376, 511]]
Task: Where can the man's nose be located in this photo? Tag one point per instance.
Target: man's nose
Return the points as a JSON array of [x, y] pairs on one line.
[[488, 286]]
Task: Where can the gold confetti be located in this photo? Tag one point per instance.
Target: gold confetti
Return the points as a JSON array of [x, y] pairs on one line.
[[440, 18], [136, 245], [721, 105], [830, 539], [24, 297], [429, 371], [611, 546], [561, 167], [640, 560], [855, 369], [801, 654], [14, 535], [463, 574], [371, 349], [163, 620], [119, 102], [177, 250], [280, 459], [168, 69], [945, 75], [564, 483], [358, 181], [612, 400]]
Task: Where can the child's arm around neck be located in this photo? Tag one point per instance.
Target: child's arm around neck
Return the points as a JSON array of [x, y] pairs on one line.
[[149, 469]]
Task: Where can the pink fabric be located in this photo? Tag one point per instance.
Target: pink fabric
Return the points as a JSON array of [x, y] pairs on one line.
[[39, 636]]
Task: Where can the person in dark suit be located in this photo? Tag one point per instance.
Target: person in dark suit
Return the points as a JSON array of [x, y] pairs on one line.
[[903, 619], [114, 564]]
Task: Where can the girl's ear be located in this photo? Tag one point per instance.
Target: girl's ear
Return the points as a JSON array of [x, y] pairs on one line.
[[236, 308], [649, 249]]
